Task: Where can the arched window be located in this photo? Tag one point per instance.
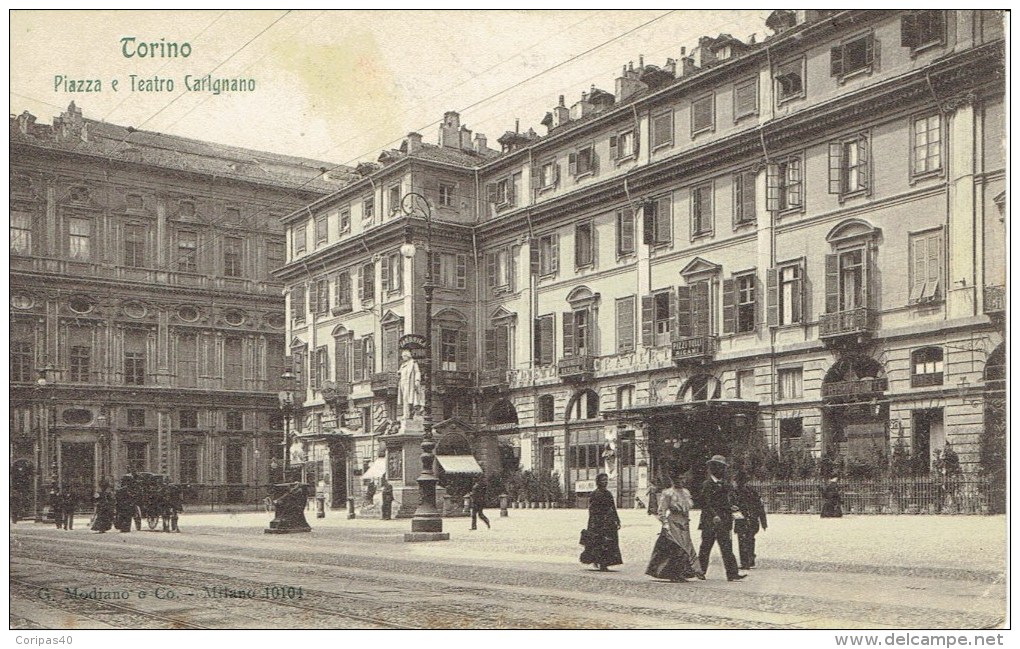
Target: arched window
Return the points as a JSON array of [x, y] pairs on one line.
[[926, 367], [503, 412], [583, 405]]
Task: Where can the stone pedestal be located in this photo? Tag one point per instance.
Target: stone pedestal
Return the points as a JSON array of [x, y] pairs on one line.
[[289, 500], [403, 467]]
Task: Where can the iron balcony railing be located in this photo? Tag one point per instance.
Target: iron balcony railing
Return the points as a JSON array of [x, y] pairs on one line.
[[575, 368], [852, 322], [995, 299]]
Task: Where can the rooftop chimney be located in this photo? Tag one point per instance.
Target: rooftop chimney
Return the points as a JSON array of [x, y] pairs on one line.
[[561, 114], [413, 142], [465, 139], [481, 144], [25, 122], [628, 83], [449, 130]]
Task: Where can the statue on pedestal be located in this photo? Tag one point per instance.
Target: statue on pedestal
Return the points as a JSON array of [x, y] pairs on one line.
[[410, 396]]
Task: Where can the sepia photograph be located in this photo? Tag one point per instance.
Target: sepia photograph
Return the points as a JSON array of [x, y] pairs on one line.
[[517, 319]]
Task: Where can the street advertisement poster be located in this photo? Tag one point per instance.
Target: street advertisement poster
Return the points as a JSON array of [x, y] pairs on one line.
[[441, 320]]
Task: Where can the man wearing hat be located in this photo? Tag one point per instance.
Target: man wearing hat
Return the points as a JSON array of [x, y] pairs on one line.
[[717, 518]]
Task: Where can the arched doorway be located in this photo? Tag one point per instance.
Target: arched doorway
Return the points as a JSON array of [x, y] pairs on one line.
[[992, 453], [502, 413], [855, 426]]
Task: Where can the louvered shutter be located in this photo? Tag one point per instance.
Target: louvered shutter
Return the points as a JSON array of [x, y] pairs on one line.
[[568, 334], [556, 174], [386, 275], [399, 280], [359, 360], [648, 214], [772, 288], [572, 164], [554, 253], [461, 271], [836, 61], [637, 137], [869, 49], [548, 339], [343, 350], [831, 283], [628, 231], [594, 160], [835, 168], [866, 281], [436, 261], [701, 315], [920, 268], [625, 325], [648, 320], [773, 187], [490, 268], [535, 256], [664, 222], [682, 314], [463, 351], [491, 193], [934, 258], [490, 349], [502, 347], [613, 155], [864, 162], [729, 309], [536, 177], [909, 30]]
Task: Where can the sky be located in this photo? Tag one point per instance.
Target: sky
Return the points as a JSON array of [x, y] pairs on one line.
[[340, 86]]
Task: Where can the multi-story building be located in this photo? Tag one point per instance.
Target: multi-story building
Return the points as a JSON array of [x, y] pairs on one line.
[[797, 242], [147, 330]]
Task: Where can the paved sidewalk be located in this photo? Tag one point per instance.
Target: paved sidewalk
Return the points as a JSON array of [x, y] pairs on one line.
[[953, 547]]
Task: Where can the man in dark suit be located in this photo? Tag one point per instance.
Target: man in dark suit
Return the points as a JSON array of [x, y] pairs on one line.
[[754, 518], [717, 518]]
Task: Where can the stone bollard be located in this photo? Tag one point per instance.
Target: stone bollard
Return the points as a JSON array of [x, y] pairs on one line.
[[320, 506], [350, 509], [504, 502]]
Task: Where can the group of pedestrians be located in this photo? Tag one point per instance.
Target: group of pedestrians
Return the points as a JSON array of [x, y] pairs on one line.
[[118, 509], [63, 502], [725, 507]]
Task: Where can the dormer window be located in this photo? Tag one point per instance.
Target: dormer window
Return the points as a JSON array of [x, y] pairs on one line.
[[790, 80]]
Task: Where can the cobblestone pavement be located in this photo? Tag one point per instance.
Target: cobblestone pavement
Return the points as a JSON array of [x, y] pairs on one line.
[[224, 572]]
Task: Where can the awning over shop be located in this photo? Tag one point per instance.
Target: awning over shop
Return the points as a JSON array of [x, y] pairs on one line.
[[459, 464], [376, 470]]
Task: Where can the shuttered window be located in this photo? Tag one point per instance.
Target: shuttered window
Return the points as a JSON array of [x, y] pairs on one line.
[[342, 361], [625, 324], [297, 303], [856, 55], [545, 340], [657, 221], [926, 267], [233, 369], [849, 168], [703, 114], [662, 130], [785, 287], [366, 283], [701, 210], [743, 197], [785, 184], [344, 303], [625, 232], [922, 28], [390, 353], [745, 98], [584, 244], [927, 144], [846, 280]]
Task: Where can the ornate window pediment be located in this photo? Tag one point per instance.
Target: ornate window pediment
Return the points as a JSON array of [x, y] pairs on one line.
[[582, 297], [390, 318], [503, 316], [852, 232], [699, 267]]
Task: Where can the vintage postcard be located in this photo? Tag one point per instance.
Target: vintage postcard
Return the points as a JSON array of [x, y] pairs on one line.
[[509, 319]]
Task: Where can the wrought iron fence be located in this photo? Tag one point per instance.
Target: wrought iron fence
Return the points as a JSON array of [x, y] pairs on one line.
[[919, 495], [225, 497]]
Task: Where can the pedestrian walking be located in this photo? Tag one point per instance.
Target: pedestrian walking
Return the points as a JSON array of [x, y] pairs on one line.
[[478, 504], [716, 523], [601, 538], [68, 503], [653, 498], [103, 519], [124, 505], [673, 557], [55, 510], [387, 499], [135, 490], [832, 499], [172, 503], [752, 517]]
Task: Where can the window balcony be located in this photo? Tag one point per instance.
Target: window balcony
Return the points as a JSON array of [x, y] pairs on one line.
[[926, 380], [497, 380], [576, 368], [995, 300], [694, 349], [446, 381], [854, 390], [856, 323], [385, 383]]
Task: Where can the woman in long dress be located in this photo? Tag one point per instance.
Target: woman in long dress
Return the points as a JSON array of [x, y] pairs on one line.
[[674, 557], [602, 545], [104, 510]]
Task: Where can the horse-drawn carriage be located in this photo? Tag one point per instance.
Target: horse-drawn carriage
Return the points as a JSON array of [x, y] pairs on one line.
[[158, 498]]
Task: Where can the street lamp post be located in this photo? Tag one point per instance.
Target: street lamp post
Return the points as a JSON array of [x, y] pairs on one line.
[[427, 523], [287, 409], [45, 441]]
